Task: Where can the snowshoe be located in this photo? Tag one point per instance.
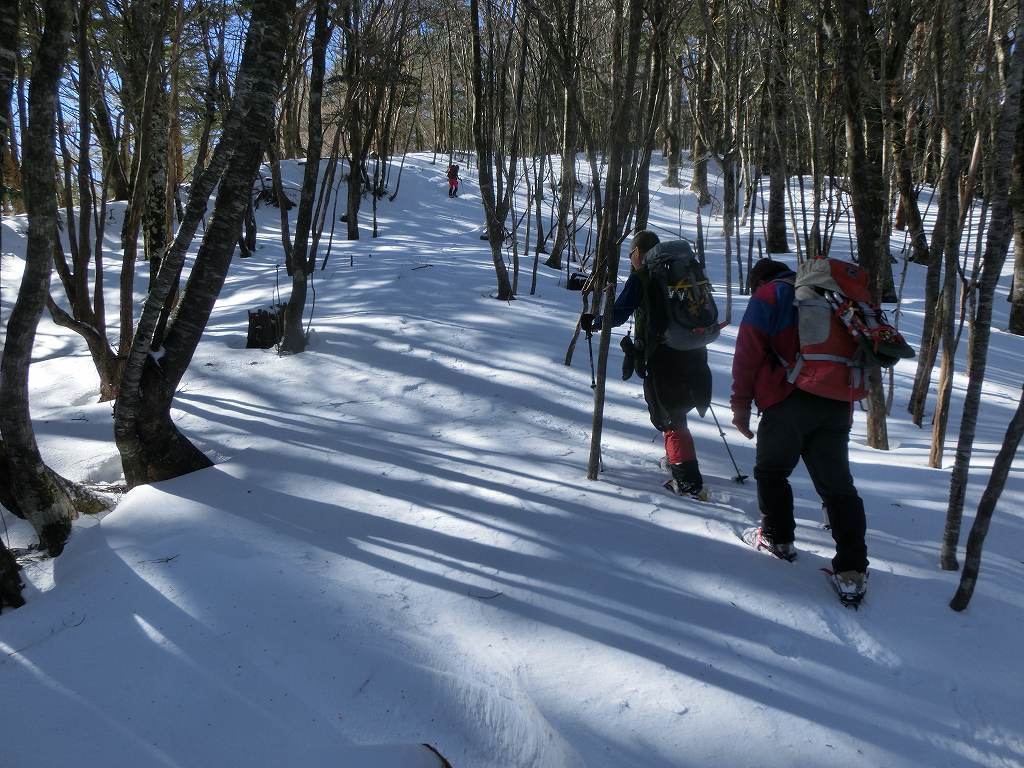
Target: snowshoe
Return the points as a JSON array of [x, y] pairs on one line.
[[691, 490], [756, 538], [849, 586]]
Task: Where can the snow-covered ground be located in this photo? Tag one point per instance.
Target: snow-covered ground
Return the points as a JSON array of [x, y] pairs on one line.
[[398, 545]]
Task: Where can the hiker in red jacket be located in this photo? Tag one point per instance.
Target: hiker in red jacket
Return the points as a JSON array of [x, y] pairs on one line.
[[453, 180], [795, 423]]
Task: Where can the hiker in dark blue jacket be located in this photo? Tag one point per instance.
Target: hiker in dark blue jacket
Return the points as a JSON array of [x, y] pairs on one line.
[[675, 381]]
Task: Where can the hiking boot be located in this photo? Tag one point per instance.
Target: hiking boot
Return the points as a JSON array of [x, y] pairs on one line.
[[851, 584], [687, 477], [687, 489], [759, 541]]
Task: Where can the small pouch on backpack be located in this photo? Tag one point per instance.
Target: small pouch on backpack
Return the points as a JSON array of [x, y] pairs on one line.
[[815, 316]]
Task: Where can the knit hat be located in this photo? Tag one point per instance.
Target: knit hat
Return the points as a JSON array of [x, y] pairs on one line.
[[766, 269], [644, 240]]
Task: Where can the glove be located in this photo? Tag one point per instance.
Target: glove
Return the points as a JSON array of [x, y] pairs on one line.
[[741, 420], [587, 322]]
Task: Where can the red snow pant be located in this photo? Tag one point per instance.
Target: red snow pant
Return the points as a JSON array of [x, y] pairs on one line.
[[679, 444], [677, 382]]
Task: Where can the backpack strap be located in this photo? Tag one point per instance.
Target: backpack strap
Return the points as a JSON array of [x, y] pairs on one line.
[[856, 366]]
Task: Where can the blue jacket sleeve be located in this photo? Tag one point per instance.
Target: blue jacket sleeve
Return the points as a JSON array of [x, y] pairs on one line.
[[625, 304]]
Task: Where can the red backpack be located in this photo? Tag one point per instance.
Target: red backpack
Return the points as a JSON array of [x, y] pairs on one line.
[[842, 332]]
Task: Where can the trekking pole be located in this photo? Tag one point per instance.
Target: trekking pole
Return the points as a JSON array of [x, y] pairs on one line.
[[593, 385], [740, 477], [590, 345]]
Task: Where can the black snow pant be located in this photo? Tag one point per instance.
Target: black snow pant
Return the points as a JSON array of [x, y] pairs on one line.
[[676, 383], [817, 430]]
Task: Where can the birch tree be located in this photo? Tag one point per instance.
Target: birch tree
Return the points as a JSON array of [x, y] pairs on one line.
[[47, 500], [1009, 138], [10, 580], [987, 507], [151, 446]]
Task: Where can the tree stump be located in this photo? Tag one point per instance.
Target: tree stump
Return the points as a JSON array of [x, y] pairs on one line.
[[266, 326]]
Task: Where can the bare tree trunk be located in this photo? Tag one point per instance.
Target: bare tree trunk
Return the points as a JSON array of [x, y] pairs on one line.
[[485, 151], [10, 580], [48, 501], [117, 177], [292, 99], [8, 497], [986, 508], [151, 93], [567, 179], [699, 182], [150, 444], [858, 51], [778, 94], [154, 214], [1016, 298], [1009, 138], [932, 285], [651, 106], [9, 22], [674, 125], [624, 75], [905, 181], [952, 140], [86, 317], [303, 258], [284, 204]]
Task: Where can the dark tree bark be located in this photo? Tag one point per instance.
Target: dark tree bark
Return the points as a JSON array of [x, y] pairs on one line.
[[652, 100], [284, 204], [147, 96], [8, 498], [610, 234], [354, 111], [567, 177], [673, 128], [566, 184], [154, 214], [87, 316], [10, 588], [9, 171], [933, 322], [778, 94], [1009, 138], [9, 22], [150, 444], [909, 210], [1016, 322], [986, 508], [952, 141], [10, 580], [292, 98], [48, 501], [859, 56], [699, 183], [117, 177], [303, 258], [495, 204]]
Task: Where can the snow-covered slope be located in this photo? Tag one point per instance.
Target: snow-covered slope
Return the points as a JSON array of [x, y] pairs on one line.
[[398, 545]]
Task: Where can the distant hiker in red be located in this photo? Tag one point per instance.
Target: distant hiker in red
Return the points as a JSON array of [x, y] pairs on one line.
[[799, 420], [675, 381], [453, 180]]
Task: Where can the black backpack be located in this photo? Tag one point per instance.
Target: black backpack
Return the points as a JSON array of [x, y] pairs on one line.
[[682, 313]]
